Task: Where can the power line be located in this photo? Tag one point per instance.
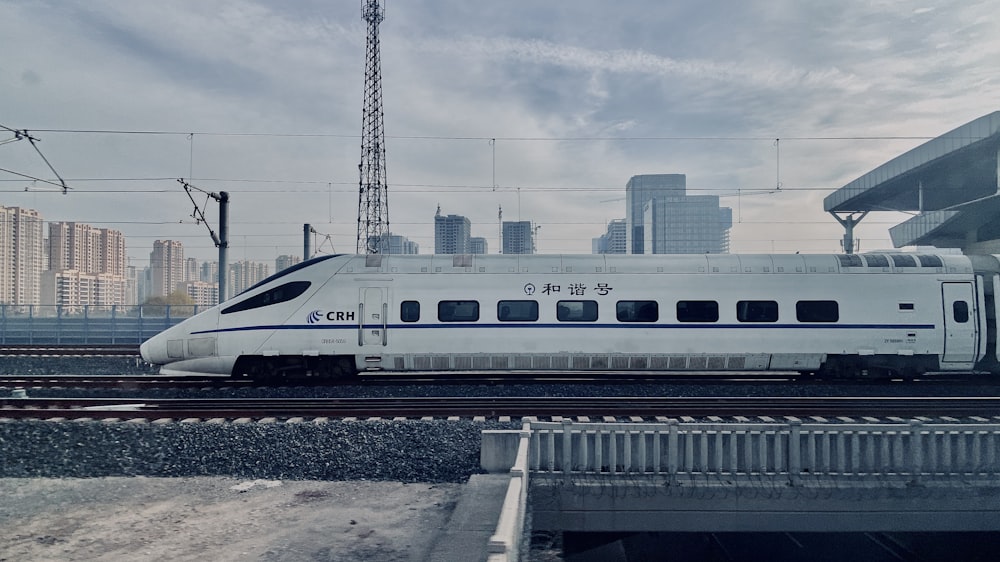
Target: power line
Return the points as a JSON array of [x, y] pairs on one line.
[[492, 137]]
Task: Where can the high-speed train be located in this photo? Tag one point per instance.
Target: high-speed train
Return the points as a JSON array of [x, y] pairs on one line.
[[887, 314]]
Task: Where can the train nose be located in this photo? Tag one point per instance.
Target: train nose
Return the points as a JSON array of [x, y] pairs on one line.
[[154, 350]]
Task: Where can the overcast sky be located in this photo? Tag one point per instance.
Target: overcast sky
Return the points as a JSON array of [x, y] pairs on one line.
[[578, 95]]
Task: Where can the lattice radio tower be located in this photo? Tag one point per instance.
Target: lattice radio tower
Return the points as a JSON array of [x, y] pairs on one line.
[[373, 195]]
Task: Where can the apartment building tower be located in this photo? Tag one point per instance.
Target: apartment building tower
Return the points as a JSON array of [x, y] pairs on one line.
[[451, 234], [166, 265], [22, 255], [518, 237]]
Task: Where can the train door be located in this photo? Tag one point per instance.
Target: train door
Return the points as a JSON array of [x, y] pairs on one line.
[[960, 323], [372, 317]]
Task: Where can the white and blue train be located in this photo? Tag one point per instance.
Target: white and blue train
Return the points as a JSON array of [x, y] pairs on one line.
[[889, 314]]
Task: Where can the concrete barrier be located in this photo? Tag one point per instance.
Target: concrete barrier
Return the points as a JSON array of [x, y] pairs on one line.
[[505, 544]]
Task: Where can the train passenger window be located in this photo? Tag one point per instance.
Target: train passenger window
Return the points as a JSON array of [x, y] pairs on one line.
[[517, 311], [903, 260], [281, 293], [817, 311], [697, 311], [876, 260], [930, 261], [961, 311], [850, 260], [458, 311], [637, 311], [409, 311], [576, 311], [757, 311]]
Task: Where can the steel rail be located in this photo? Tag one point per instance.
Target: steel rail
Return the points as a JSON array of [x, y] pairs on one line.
[[53, 350], [699, 407], [491, 378]]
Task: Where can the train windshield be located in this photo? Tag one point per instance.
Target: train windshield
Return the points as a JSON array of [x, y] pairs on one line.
[[291, 269], [281, 293]]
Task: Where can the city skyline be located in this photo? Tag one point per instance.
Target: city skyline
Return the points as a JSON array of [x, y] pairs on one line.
[[540, 110], [78, 265]]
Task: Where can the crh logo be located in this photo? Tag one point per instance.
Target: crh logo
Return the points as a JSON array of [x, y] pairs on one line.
[[332, 316]]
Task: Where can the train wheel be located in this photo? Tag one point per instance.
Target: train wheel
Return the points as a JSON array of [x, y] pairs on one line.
[[257, 368], [335, 368]]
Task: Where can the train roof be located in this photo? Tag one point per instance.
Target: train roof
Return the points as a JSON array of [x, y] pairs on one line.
[[661, 263]]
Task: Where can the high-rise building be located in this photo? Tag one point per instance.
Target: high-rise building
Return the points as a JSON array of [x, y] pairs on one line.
[[285, 261], [613, 241], [451, 234], [113, 256], [693, 224], [166, 264], [201, 292], [192, 270], [86, 268], [209, 272], [143, 284], [397, 244], [22, 255], [73, 246], [639, 191], [518, 237], [478, 245], [246, 274], [132, 286], [73, 290], [661, 218]]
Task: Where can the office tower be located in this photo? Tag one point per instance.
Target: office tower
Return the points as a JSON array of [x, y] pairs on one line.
[[613, 241], [639, 191], [693, 224], [661, 218]]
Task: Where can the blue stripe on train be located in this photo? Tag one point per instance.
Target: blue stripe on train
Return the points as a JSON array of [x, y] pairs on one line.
[[646, 326]]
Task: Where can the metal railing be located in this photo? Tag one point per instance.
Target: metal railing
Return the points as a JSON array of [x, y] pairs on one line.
[[43, 324], [790, 450]]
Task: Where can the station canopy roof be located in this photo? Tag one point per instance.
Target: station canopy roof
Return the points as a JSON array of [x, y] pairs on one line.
[[951, 180]]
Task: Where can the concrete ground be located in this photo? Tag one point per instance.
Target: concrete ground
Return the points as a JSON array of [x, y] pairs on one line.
[[220, 519]]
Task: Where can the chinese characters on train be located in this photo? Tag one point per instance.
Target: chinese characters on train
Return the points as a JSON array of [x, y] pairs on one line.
[[570, 289]]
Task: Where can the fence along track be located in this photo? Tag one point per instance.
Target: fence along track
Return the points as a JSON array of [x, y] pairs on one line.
[[793, 449]]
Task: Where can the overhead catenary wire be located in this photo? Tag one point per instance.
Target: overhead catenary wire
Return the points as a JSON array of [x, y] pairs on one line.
[[493, 138], [23, 134]]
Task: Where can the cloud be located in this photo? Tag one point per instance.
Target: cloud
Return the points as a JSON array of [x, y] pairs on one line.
[[614, 91], [637, 61]]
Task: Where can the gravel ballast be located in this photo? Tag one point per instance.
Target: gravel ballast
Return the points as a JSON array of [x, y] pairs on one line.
[[404, 451]]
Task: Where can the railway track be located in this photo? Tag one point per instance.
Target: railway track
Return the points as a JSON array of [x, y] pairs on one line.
[[465, 378], [493, 407], [118, 381], [85, 350]]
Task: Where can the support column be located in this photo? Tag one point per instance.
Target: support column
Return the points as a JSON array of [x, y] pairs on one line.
[[849, 222]]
